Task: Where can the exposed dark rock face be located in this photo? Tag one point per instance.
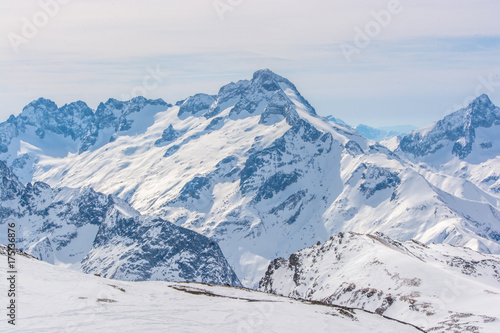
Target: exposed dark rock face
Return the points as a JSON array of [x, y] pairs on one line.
[[105, 235]]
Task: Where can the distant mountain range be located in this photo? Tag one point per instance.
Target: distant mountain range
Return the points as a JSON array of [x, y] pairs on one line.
[[376, 134], [383, 133], [255, 169]]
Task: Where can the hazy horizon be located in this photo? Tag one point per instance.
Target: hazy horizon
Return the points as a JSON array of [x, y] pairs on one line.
[[380, 63]]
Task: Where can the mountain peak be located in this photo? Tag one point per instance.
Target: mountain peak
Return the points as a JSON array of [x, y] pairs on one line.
[[273, 82], [481, 101], [266, 74], [269, 80], [41, 103], [79, 107], [458, 128], [482, 110]]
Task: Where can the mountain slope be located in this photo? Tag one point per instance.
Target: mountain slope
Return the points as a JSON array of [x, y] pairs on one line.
[[439, 288], [255, 169], [464, 144], [44, 130], [336, 120], [102, 234], [85, 303], [457, 131]]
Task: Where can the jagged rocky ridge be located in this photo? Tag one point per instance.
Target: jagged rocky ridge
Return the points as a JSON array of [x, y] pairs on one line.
[[256, 169], [102, 234], [464, 144], [459, 128], [439, 288], [72, 128]]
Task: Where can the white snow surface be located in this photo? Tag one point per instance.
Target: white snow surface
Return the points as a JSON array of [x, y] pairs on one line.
[[439, 288], [56, 299]]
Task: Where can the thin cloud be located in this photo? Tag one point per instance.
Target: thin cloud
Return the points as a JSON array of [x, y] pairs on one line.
[[428, 57]]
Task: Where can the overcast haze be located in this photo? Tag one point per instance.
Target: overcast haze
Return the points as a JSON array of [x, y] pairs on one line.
[[428, 59]]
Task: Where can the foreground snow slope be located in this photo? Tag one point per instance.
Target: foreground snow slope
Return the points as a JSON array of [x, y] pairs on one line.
[[439, 288], [255, 169], [55, 299]]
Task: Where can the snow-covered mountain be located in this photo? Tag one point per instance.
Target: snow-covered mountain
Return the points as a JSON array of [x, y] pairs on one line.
[[44, 130], [102, 234], [384, 133], [86, 303], [255, 169], [465, 144], [439, 288], [336, 120], [457, 133]]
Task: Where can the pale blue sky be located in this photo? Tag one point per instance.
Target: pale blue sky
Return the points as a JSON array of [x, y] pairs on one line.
[[429, 58]]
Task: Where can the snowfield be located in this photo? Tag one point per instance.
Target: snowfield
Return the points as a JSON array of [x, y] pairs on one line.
[[439, 288], [56, 299]]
